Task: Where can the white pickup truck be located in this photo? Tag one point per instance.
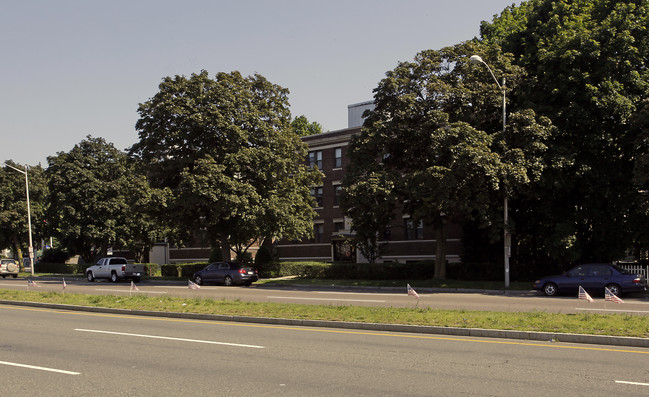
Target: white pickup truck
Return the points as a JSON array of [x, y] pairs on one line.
[[115, 268]]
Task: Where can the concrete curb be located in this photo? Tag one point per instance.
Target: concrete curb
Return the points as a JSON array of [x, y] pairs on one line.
[[422, 329]]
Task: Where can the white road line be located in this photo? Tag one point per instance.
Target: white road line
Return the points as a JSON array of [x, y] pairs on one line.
[[361, 293], [325, 299], [185, 287], [168, 338], [632, 383], [612, 310], [126, 290], [40, 368]]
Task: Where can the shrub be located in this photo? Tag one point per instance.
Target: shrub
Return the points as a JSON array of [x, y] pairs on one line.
[[245, 258], [54, 255], [422, 270], [299, 269], [184, 270], [216, 255], [350, 271], [58, 268], [152, 269], [263, 256]]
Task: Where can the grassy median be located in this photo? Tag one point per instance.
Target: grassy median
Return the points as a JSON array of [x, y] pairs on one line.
[[586, 323]]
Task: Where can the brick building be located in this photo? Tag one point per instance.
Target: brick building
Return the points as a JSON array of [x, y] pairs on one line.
[[332, 231], [406, 241]]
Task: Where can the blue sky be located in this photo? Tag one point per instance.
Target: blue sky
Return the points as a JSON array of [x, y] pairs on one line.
[[78, 68]]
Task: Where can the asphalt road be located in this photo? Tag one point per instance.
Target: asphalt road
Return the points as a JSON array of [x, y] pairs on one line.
[[516, 301], [56, 353]]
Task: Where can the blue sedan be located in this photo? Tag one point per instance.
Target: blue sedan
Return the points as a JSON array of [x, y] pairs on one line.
[[593, 277]]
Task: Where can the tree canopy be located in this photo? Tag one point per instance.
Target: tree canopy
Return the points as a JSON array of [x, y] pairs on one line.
[[436, 137], [302, 127], [223, 158], [573, 157], [98, 200], [586, 66], [225, 147], [13, 206]]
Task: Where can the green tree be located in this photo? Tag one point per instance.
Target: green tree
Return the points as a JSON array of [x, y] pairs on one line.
[[640, 215], [14, 231], [586, 65], [368, 199], [98, 200], [225, 148], [435, 134], [146, 207], [302, 127]]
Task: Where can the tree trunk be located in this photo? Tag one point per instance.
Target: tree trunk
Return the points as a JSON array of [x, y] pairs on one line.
[[19, 254], [225, 249], [440, 250]]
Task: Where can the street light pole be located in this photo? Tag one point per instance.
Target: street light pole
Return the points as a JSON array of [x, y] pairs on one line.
[[29, 216], [476, 59]]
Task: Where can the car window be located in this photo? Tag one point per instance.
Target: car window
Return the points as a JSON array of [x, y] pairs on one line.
[[211, 267], [600, 271], [578, 271], [622, 270], [224, 266]]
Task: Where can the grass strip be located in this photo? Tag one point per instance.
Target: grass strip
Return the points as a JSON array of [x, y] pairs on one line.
[[586, 323]]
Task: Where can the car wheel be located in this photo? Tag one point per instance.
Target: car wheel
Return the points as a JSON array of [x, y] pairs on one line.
[[550, 289], [15, 276], [136, 279], [90, 277], [227, 281], [615, 289], [4, 276], [113, 277], [198, 280]]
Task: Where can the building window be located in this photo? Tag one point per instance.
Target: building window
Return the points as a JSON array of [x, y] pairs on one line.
[[318, 232], [338, 157], [339, 226], [316, 192], [414, 231], [338, 190], [315, 159]]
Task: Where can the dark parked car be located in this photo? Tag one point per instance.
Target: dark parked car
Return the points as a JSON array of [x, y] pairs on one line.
[[593, 277], [226, 273]]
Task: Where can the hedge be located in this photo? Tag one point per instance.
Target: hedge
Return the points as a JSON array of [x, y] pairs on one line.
[[349, 271], [152, 269], [423, 270], [60, 268], [183, 270]]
